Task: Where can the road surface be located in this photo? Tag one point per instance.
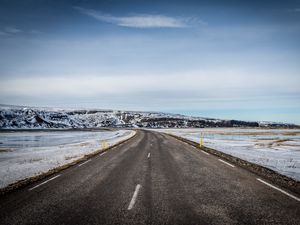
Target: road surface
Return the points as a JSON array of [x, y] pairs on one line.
[[151, 179]]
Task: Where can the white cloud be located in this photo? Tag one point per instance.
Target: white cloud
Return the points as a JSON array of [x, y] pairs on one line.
[[200, 89], [2, 33], [12, 30], [220, 83], [139, 20], [294, 10]]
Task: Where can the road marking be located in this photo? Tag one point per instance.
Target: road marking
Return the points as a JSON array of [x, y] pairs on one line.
[[102, 153], [135, 194], [205, 152], [84, 162], [30, 189], [226, 163], [201, 151], [278, 189], [149, 155]]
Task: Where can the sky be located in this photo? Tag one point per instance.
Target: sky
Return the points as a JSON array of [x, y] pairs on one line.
[[219, 59]]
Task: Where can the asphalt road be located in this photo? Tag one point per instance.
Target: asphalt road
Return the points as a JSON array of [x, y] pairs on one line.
[[151, 179]]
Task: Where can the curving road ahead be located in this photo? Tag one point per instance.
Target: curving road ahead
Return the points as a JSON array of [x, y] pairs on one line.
[[151, 179]]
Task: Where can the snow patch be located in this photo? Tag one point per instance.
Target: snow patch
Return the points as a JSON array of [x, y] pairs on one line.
[[277, 149], [27, 154]]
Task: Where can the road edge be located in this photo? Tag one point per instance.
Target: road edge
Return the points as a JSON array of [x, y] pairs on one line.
[[266, 173], [22, 183]]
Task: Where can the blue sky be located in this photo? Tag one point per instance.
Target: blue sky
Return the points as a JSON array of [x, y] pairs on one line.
[[232, 60]]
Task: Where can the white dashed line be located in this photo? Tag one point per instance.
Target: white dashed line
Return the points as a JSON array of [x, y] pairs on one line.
[[84, 162], [135, 194], [205, 152], [278, 189], [226, 163], [102, 153], [30, 189], [149, 155]]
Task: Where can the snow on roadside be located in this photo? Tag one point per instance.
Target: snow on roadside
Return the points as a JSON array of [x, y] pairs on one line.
[[277, 149], [27, 154]]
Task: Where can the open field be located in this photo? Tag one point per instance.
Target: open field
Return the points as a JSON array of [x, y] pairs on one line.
[[278, 150], [27, 154]]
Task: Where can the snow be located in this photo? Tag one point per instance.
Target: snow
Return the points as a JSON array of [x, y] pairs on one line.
[[18, 117], [26, 154], [277, 149]]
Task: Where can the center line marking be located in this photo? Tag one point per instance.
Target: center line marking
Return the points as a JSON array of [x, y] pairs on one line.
[[135, 194], [278, 189], [226, 163], [84, 162], [30, 189], [149, 155], [205, 152]]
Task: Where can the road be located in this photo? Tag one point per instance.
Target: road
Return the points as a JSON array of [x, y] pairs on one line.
[[150, 179]]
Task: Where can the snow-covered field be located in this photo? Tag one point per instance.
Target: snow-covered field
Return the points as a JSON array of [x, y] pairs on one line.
[[26, 154], [276, 149]]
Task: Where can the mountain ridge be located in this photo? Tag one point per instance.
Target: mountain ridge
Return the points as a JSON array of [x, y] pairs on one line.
[[23, 117]]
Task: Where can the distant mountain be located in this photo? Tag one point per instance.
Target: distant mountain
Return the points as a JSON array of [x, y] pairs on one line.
[[17, 117]]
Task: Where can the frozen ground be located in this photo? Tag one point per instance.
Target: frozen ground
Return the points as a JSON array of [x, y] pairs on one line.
[[278, 150], [26, 154]]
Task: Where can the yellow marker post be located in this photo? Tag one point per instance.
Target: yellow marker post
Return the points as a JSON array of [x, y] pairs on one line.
[[201, 141], [103, 144]]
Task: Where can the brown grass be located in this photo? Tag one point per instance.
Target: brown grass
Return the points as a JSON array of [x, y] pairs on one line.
[[6, 150], [256, 133], [71, 157]]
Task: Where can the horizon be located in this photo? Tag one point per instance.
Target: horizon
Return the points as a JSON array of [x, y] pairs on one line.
[[234, 60], [141, 111]]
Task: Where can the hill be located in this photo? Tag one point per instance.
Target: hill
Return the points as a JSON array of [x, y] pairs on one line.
[[18, 117]]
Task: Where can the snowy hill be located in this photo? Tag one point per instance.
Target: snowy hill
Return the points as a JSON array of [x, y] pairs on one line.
[[17, 117]]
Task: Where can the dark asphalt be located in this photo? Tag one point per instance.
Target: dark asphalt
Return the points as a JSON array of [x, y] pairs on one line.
[[179, 185]]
